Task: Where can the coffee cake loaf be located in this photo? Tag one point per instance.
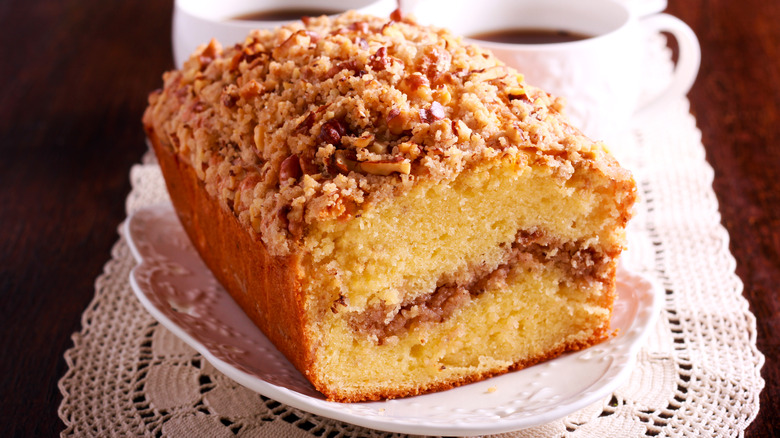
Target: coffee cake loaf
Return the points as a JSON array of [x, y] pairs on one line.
[[398, 211]]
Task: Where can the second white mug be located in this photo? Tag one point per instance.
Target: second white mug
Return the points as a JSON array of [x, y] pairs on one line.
[[600, 76]]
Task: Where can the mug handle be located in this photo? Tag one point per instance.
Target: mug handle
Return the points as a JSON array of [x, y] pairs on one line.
[[688, 62], [644, 8]]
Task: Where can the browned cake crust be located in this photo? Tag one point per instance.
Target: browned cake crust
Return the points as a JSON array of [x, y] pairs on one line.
[[266, 287]]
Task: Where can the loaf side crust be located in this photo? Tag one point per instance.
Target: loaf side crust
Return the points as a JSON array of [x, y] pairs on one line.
[[268, 288]]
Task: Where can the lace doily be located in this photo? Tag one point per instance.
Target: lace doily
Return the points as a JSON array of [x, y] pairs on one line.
[[697, 375]]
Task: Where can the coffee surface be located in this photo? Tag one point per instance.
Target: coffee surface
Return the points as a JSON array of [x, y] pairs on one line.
[[285, 14], [530, 36]]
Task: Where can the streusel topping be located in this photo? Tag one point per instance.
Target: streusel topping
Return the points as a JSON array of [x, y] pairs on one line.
[[322, 119]]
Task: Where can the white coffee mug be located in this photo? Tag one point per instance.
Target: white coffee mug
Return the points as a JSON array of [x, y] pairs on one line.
[[600, 76], [196, 22]]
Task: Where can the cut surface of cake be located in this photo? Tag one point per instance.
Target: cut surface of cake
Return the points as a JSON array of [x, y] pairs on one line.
[[398, 211]]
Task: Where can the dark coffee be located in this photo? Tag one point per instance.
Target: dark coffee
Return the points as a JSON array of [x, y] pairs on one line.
[[285, 14], [530, 36]]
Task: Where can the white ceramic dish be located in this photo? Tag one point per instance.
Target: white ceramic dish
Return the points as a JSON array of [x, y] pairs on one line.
[[178, 290]]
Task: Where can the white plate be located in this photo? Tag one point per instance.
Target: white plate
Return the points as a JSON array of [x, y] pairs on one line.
[[179, 291]]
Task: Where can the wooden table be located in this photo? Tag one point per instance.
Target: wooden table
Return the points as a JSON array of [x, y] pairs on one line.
[[75, 75]]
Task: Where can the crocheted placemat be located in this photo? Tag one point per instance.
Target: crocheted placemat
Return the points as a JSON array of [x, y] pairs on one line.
[[698, 373]]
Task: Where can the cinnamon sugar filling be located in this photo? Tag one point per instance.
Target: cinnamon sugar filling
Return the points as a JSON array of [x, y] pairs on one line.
[[532, 249]]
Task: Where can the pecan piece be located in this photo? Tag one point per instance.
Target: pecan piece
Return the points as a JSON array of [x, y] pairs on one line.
[[350, 65], [397, 121], [359, 26], [409, 149], [301, 38], [489, 74], [229, 100], [386, 167], [364, 140], [332, 131], [362, 43], [305, 124], [251, 89], [344, 162], [518, 93], [379, 60], [433, 113], [211, 52], [416, 85], [290, 168]]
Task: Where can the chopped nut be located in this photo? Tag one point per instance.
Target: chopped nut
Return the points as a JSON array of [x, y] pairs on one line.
[[397, 121], [332, 131], [209, 53], [314, 36], [517, 135], [199, 84], [386, 167], [390, 29], [461, 130], [350, 65], [305, 125], [343, 162], [489, 74], [362, 43], [433, 113], [250, 54], [378, 148], [300, 38], [364, 140], [259, 138], [515, 91], [410, 149], [308, 166], [290, 169], [435, 61], [518, 93], [229, 100], [416, 85], [249, 182], [442, 95], [281, 214], [251, 89], [360, 26], [198, 107], [379, 60], [406, 147], [236, 61], [442, 79]]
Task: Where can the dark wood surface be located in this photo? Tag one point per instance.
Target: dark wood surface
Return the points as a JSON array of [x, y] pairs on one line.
[[75, 75]]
